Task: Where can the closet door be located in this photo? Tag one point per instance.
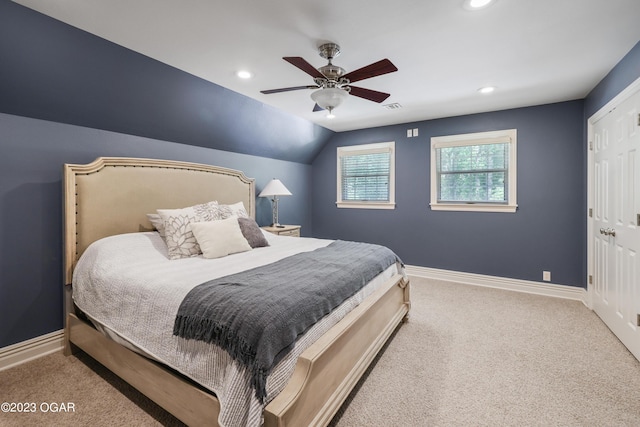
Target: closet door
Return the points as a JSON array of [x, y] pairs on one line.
[[616, 220]]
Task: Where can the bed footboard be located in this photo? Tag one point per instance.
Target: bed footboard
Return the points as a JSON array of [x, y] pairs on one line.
[[183, 399], [328, 370]]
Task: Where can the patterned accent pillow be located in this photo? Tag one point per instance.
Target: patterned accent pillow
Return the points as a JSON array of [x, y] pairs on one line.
[[236, 209], [181, 243]]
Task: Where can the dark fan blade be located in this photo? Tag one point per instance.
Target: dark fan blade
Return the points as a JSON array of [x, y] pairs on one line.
[[379, 68], [317, 108], [304, 66], [371, 95], [287, 89]]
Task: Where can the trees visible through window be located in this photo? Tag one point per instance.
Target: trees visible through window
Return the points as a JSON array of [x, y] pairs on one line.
[[474, 172]]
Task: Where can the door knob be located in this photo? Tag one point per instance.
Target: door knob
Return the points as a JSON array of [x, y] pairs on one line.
[[611, 232], [608, 231]]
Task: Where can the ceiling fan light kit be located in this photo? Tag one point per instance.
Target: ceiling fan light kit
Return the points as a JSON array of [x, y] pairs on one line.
[[334, 83], [329, 98]]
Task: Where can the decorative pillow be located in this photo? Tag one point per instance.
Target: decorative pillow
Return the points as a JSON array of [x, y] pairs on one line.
[[220, 238], [236, 209], [157, 222], [178, 236], [252, 233]]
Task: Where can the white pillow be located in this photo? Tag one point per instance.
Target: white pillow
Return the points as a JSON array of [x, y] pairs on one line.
[[177, 228], [220, 238]]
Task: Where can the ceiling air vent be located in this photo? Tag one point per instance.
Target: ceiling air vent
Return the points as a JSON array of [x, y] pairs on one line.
[[394, 106]]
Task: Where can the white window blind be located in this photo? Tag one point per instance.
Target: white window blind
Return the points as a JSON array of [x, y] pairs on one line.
[[366, 176]]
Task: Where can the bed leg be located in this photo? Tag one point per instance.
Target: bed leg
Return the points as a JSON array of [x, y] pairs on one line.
[[69, 348], [405, 284]]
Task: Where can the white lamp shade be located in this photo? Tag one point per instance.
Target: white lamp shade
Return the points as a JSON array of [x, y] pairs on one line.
[[274, 188], [329, 98]]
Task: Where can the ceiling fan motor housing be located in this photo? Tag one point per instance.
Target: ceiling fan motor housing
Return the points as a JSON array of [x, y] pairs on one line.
[[333, 73]]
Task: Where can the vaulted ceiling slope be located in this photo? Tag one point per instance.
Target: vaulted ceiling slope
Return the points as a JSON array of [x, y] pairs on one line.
[[53, 71], [533, 52]]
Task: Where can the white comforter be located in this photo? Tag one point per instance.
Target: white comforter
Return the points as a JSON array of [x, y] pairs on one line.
[[132, 291]]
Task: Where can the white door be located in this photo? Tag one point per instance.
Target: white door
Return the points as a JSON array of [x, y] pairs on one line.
[[616, 220]]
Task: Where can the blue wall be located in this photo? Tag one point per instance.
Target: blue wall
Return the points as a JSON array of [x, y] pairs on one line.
[[32, 153], [78, 83], [546, 233]]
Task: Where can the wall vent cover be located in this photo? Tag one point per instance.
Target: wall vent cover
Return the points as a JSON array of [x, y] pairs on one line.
[[394, 106]]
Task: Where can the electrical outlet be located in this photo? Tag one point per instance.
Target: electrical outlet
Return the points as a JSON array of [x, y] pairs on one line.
[[415, 132], [546, 276], [409, 133]]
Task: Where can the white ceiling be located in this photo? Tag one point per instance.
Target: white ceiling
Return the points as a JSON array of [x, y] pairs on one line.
[[535, 52]]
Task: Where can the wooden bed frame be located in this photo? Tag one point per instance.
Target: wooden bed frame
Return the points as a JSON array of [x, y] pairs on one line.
[[113, 195]]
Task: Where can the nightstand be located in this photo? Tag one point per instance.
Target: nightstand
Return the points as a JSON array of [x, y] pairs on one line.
[[287, 230]]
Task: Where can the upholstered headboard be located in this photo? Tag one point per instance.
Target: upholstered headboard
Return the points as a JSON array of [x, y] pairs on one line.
[[112, 195]]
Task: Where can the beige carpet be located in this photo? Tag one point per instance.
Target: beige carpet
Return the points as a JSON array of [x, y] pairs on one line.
[[469, 356], [473, 356]]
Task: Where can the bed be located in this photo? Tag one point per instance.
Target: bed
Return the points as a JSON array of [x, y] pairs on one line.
[[109, 199]]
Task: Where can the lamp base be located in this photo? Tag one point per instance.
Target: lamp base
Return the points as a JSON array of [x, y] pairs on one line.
[[276, 223]]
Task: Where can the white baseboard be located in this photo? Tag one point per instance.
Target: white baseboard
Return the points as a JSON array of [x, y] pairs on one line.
[[518, 285], [34, 348]]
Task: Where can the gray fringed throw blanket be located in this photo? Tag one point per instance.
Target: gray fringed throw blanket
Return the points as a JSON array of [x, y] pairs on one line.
[[258, 314]]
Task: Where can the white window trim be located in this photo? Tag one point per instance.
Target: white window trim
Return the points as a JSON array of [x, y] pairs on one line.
[[509, 135], [379, 147]]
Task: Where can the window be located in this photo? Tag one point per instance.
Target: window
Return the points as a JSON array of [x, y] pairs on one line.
[[366, 176], [474, 172]]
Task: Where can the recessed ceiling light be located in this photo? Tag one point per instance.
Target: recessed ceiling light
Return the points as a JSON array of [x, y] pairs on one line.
[[476, 4], [244, 74], [487, 89]]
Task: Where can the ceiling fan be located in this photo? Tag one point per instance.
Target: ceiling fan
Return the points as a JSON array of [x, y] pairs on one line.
[[333, 82]]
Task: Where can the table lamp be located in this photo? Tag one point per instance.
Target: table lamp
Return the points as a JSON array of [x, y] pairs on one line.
[[274, 189]]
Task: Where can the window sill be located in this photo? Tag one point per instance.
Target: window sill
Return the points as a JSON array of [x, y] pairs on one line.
[[473, 207], [365, 205]]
